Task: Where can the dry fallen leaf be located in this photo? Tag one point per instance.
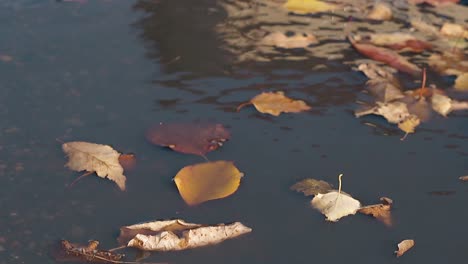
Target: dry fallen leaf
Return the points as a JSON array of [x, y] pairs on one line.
[[309, 6], [276, 103], [190, 138], [163, 235], [335, 205], [395, 112], [311, 187], [380, 11], [404, 246], [102, 159], [464, 178], [89, 253], [449, 63], [380, 211], [409, 124], [207, 181], [280, 40], [461, 83], [396, 41], [454, 30]]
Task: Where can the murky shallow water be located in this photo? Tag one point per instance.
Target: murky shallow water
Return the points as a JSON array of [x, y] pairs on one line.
[[104, 71]]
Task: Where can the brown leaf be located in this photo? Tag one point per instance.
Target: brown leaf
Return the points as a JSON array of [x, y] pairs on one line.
[[396, 41], [85, 253], [386, 56], [463, 178], [189, 138], [102, 159], [207, 181], [312, 187], [404, 246], [128, 161], [380, 211], [191, 236], [276, 103]]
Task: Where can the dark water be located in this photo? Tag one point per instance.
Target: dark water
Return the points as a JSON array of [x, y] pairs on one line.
[[104, 71]]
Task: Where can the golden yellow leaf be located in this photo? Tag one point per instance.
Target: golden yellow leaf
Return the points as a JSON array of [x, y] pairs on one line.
[[276, 103], [207, 181], [461, 83], [309, 6], [404, 246], [409, 124], [102, 159]]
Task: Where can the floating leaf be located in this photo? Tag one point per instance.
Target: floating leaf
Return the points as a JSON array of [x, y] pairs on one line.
[[280, 40], [396, 41], [409, 124], [102, 159], [394, 112], [380, 11], [380, 211], [276, 103], [463, 178], [162, 235], [404, 246], [386, 56], [309, 6], [89, 253], [335, 205], [461, 83], [453, 30], [128, 161], [189, 138], [207, 181], [311, 187]]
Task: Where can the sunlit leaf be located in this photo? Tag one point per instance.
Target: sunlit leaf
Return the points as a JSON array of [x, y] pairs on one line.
[[102, 159], [380, 211], [396, 41], [404, 246], [409, 124], [395, 112], [189, 138], [335, 205], [311, 187], [380, 11], [454, 30], [461, 83], [207, 181], [276, 103], [161, 235], [309, 6], [280, 40]]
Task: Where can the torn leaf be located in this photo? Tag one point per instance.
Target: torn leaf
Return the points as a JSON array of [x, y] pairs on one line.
[[380, 211]]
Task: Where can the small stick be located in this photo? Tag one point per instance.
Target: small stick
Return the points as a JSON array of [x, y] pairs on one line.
[[117, 248], [242, 105], [79, 178]]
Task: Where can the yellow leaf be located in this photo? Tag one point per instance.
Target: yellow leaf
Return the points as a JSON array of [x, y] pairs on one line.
[[207, 181], [276, 103], [102, 159], [309, 6], [409, 124], [461, 83]]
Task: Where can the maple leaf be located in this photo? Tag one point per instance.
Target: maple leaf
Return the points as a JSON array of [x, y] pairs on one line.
[[189, 138], [162, 235], [404, 246], [276, 103], [102, 159], [380, 211], [207, 181]]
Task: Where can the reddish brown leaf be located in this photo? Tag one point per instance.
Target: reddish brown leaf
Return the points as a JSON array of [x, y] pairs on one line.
[[189, 138], [379, 211], [128, 161], [386, 56]]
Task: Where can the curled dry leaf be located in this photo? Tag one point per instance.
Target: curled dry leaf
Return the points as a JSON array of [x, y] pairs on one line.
[[163, 235], [207, 181], [404, 246], [276, 103], [335, 205], [396, 41], [380, 11], [312, 187], [380, 211], [89, 253], [189, 138], [280, 40], [309, 6], [386, 56], [102, 159]]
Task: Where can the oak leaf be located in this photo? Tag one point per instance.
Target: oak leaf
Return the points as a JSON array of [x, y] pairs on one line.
[[380, 211], [207, 181], [312, 187], [102, 159], [276, 103], [404, 246], [335, 205], [309, 6], [161, 235], [189, 138]]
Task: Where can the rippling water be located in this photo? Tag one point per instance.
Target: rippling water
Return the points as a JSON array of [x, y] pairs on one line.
[[104, 71]]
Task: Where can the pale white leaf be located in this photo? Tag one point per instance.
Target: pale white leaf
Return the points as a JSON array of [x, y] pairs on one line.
[[335, 205]]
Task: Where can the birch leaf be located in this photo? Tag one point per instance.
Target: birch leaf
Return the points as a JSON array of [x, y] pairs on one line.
[[311, 187], [276, 103], [404, 246], [207, 181], [335, 205], [102, 159], [190, 236]]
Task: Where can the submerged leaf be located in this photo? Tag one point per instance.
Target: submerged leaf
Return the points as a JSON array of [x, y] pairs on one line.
[[311, 187], [335, 205], [189, 138], [380, 211], [404, 246], [102, 159], [276, 103], [207, 181], [309, 6], [156, 236]]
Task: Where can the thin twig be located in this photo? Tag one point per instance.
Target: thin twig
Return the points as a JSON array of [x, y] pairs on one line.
[[79, 178]]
